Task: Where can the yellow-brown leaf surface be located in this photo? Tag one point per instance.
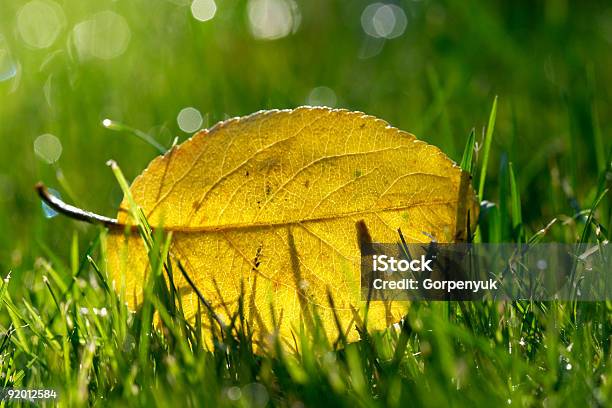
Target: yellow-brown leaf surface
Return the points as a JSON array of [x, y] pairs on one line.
[[273, 199]]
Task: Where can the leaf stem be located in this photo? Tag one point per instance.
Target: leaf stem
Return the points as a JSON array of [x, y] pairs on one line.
[[74, 212]]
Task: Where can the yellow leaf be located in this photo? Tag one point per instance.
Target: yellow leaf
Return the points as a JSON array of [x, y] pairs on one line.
[[274, 200]]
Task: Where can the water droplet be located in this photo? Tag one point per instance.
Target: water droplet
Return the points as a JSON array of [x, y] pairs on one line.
[[48, 148], [40, 22], [105, 35], [380, 20], [273, 19], [48, 211], [203, 10], [321, 96], [189, 119], [8, 66]]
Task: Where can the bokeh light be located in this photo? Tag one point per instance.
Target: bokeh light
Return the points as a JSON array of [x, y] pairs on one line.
[[203, 10], [48, 148], [234, 393], [105, 35], [40, 22], [189, 119], [380, 20], [322, 96], [255, 395], [273, 19]]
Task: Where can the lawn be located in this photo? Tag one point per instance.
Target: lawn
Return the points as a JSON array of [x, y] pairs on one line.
[[85, 82]]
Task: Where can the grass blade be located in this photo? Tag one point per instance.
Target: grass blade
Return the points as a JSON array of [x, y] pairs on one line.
[[468, 152], [515, 198], [121, 127], [487, 148]]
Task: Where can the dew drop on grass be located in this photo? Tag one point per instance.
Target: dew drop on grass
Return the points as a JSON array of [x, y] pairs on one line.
[[48, 148], [8, 66], [48, 211], [203, 10], [189, 119]]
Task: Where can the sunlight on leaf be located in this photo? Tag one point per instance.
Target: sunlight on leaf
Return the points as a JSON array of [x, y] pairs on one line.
[[272, 200]]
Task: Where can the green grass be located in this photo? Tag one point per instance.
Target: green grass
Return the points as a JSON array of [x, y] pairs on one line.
[[88, 346], [548, 62], [481, 353]]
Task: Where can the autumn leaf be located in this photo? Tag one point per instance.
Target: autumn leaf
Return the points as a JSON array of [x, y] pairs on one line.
[[272, 202]]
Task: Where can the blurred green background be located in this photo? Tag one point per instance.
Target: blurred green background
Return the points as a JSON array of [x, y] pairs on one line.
[[428, 67]]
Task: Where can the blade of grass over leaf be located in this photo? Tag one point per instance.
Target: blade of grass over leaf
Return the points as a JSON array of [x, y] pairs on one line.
[[135, 211], [201, 297], [468, 152]]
